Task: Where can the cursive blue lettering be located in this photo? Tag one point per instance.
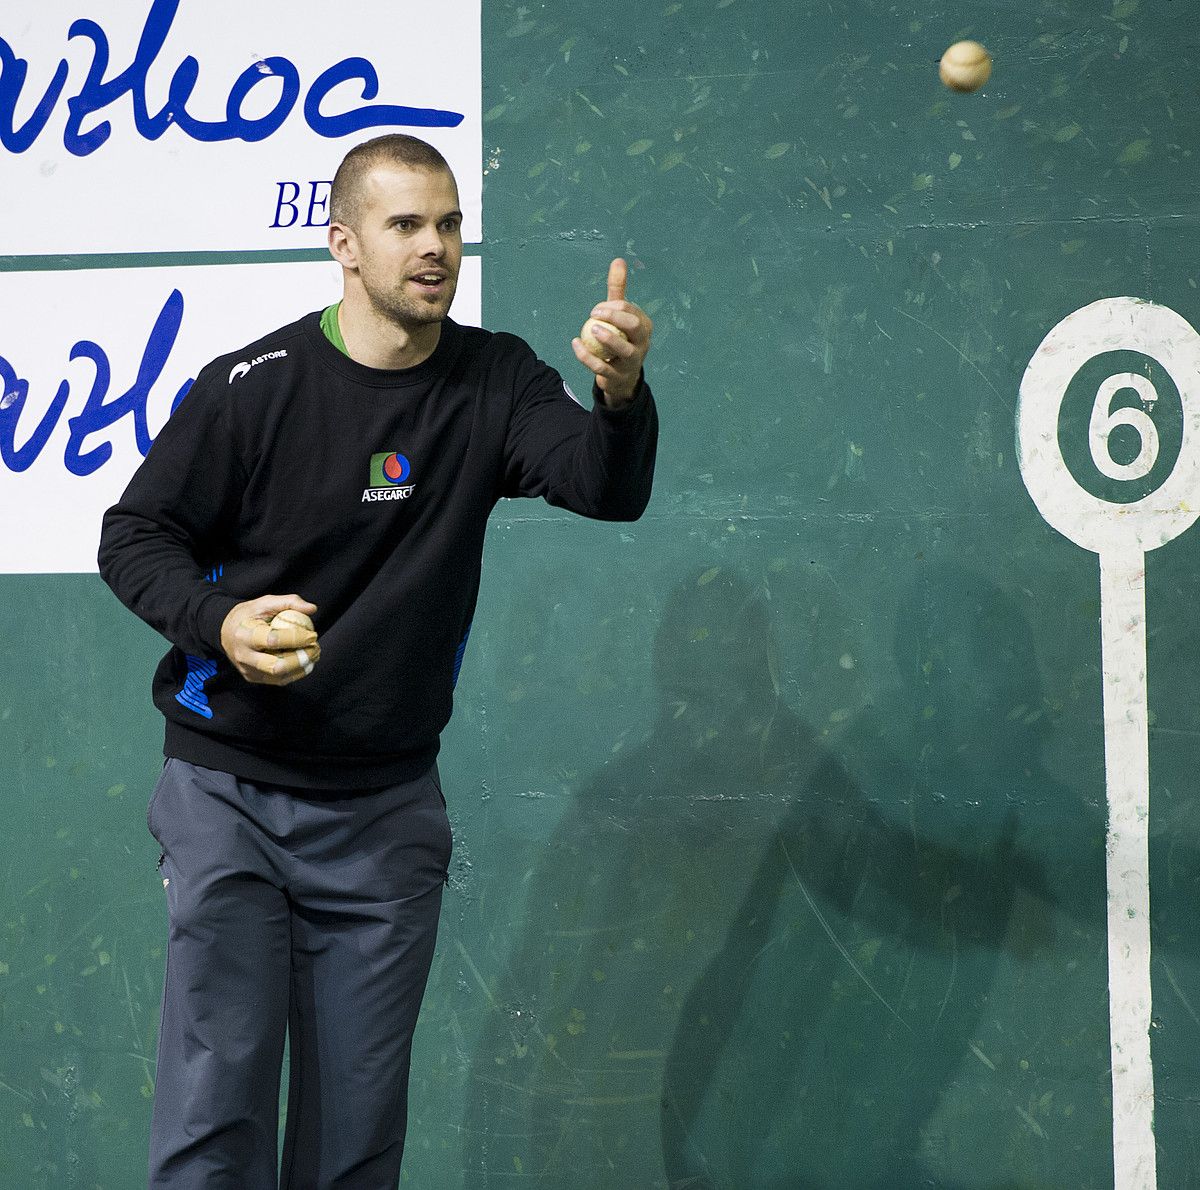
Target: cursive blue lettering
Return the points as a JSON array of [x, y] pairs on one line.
[[97, 414], [184, 83], [268, 125], [98, 93], [365, 117], [15, 392], [89, 419], [13, 71]]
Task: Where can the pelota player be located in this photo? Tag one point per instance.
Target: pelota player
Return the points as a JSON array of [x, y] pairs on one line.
[[352, 459]]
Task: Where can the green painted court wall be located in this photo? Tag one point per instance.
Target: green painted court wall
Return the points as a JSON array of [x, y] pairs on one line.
[[779, 815]]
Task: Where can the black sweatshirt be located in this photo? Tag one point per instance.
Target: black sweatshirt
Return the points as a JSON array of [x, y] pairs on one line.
[[291, 468]]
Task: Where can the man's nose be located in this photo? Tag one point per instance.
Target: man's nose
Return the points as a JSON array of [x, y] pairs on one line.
[[432, 243]]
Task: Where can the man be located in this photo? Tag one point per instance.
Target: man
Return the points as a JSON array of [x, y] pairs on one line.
[[351, 458]]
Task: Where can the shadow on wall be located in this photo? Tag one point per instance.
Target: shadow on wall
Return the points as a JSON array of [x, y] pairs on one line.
[[741, 967], [825, 1042]]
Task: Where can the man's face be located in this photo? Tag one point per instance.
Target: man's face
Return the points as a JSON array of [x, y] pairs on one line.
[[410, 243]]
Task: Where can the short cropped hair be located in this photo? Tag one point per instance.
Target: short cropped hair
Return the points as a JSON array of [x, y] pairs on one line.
[[395, 148]]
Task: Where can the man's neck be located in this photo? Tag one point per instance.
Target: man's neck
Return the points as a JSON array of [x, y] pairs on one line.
[[379, 342]]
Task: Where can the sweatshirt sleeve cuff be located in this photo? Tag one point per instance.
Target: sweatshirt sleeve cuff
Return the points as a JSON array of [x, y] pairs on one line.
[[210, 615], [635, 404]]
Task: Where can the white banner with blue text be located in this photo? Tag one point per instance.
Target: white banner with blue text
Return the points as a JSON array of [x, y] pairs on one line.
[[91, 365], [133, 126]]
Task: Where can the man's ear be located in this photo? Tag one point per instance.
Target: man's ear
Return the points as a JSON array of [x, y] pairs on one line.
[[343, 245]]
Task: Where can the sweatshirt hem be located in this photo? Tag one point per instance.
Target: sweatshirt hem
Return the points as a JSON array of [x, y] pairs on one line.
[[295, 770]]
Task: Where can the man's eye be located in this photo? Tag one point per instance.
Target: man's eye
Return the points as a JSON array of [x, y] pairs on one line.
[[404, 225]]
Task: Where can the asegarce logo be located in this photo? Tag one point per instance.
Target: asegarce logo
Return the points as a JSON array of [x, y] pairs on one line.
[[389, 472], [100, 91]]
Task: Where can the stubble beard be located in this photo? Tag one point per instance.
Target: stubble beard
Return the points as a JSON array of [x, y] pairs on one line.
[[410, 312]]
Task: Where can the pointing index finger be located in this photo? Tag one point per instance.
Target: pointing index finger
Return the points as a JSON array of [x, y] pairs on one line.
[[618, 274]]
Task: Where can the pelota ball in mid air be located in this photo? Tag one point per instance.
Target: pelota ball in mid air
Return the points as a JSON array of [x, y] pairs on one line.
[[965, 66]]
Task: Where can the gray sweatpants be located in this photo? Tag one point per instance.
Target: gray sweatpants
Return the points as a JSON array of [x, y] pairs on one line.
[[310, 916]]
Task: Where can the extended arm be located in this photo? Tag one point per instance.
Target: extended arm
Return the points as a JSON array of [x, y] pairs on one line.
[[599, 464]]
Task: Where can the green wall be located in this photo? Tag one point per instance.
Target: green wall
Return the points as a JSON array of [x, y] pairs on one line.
[[779, 814]]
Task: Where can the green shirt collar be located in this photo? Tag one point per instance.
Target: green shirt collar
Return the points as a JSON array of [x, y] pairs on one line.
[[333, 332]]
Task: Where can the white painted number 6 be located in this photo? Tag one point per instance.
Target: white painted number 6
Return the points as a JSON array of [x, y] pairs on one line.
[[1104, 421]]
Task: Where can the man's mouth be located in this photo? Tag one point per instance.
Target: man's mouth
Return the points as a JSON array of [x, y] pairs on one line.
[[432, 281]]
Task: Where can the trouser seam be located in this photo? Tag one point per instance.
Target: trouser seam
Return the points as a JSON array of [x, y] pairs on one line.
[[296, 1068]]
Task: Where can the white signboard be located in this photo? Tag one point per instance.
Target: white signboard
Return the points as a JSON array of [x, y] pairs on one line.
[[91, 364], [185, 125], [1121, 534]]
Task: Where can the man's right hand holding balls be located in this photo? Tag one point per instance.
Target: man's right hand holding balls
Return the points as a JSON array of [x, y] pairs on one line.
[[271, 640]]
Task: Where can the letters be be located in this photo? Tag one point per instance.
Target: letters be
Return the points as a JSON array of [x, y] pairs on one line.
[[287, 204]]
